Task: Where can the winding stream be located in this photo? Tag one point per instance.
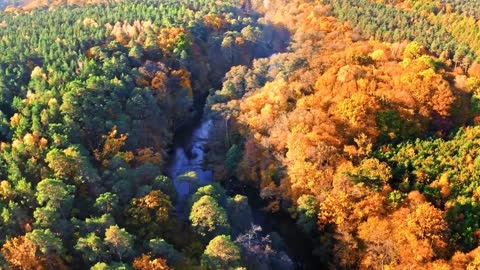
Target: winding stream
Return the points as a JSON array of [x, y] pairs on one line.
[[186, 169]]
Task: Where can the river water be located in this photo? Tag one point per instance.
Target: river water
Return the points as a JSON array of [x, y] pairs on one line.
[[186, 167]]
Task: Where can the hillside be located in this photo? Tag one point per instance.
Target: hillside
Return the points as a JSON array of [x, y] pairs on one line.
[[364, 131], [28, 5]]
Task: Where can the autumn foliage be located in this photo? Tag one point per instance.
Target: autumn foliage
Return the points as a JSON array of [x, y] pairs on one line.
[[348, 129], [321, 120]]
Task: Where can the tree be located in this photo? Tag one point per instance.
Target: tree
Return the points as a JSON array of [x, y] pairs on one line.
[[56, 194], [221, 253], [307, 213], [413, 50], [71, 163], [150, 215], [46, 217], [372, 172], [239, 213], [21, 253], [258, 252], [136, 52], [111, 266], [165, 185], [64, 163], [227, 47], [160, 247], [99, 224], [459, 55], [208, 218], [251, 34], [427, 222], [232, 158], [146, 262], [106, 202], [91, 247], [119, 241], [111, 148], [13, 216], [213, 190], [466, 62], [380, 247], [46, 241]]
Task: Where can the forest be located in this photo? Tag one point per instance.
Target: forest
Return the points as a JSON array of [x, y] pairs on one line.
[[309, 134]]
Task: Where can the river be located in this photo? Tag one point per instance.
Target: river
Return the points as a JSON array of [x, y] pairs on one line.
[[188, 156], [186, 164]]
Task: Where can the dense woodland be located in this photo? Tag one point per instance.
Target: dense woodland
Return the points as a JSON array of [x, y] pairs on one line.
[[91, 97], [364, 130], [356, 119]]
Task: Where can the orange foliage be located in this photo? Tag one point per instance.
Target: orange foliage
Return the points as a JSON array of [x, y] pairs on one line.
[[406, 239], [214, 21], [474, 70], [159, 82], [21, 253], [111, 147], [305, 119], [145, 262], [168, 37], [319, 114], [145, 155], [183, 76]]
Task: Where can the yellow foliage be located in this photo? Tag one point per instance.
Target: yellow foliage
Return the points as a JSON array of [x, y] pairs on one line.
[[15, 120], [378, 55], [6, 189], [29, 139]]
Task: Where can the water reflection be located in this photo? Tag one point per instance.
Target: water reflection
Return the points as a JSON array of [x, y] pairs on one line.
[[186, 168]]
